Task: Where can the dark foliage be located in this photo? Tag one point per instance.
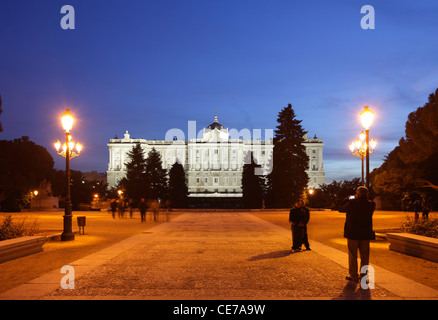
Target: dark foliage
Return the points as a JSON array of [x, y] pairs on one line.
[[288, 178]]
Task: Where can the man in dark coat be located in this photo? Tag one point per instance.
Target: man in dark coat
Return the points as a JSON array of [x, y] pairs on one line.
[[358, 230], [299, 217]]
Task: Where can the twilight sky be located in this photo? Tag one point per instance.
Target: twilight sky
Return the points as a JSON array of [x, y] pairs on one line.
[[152, 65]]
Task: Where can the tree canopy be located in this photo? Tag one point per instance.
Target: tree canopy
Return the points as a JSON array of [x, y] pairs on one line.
[[135, 184], [412, 165], [178, 189], [288, 178], [23, 165], [252, 184], [156, 176]]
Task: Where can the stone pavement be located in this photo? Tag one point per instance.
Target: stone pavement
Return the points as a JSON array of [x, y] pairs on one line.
[[212, 256]]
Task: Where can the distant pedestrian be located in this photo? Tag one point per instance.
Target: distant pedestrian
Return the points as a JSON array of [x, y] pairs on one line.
[[425, 210], [155, 207], [167, 204], [121, 208], [131, 207], [358, 230], [142, 206], [113, 206], [417, 209], [299, 217]]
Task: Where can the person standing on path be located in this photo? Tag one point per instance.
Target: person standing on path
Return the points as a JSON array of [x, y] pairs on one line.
[[142, 206], [358, 230], [299, 217]]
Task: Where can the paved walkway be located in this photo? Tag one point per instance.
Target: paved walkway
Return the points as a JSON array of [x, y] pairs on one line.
[[215, 256]]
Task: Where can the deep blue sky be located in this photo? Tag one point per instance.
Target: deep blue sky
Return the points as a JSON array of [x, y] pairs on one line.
[[151, 65]]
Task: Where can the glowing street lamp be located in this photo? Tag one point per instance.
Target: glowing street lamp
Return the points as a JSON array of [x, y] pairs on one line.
[[358, 148], [67, 120], [367, 117], [68, 151]]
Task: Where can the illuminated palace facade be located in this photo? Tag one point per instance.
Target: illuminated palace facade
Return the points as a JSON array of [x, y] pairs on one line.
[[213, 160]]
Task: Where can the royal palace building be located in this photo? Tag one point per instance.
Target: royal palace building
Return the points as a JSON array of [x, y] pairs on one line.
[[213, 159]]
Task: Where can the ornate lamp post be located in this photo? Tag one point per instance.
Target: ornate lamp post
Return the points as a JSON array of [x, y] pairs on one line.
[[68, 152], [367, 117], [358, 148]]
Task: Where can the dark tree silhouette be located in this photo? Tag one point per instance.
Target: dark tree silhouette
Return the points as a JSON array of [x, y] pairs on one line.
[[156, 176], [135, 184], [178, 189], [288, 178], [412, 166], [23, 165], [252, 184]]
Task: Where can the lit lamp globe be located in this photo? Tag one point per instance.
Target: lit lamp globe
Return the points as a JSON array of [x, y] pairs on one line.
[[367, 117], [57, 145], [67, 120], [78, 147], [373, 144]]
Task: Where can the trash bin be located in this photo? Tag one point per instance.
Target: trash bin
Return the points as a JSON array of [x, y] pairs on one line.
[[81, 224]]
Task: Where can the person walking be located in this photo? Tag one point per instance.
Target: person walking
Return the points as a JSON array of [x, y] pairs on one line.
[[298, 218], [155, 206], [113, 206], [143, 208], [358, 230], [121, 208], [131, 207], [417, 209]]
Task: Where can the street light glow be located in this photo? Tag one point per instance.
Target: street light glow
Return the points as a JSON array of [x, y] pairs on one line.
[[57, 145], [78, 147], [367, 117], [67, 120]]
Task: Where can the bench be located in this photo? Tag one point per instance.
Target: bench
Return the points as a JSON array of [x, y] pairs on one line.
[[414, 245], [20, 247]]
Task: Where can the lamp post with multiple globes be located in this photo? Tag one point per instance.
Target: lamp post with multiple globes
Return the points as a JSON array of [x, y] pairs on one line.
[[359, 148], [68, 152], [367, 117]]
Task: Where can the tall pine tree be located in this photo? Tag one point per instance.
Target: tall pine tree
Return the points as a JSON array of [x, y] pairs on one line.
[[178, 189], [252, 184], [288, 178], [156, 176], [135, 183]]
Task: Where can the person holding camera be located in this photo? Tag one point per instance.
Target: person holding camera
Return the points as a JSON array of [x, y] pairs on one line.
[[358, 230]]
